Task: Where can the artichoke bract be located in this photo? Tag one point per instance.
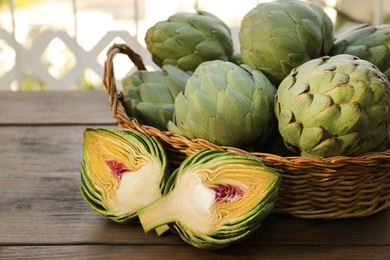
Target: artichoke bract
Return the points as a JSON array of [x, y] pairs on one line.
[[278, 36], [187, 39], [368, 42], [226, 104], [149, 95], [215, 198], [337, 105], [117, 167]]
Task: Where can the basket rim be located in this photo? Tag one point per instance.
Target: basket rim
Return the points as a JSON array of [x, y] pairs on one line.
[[188, 146]]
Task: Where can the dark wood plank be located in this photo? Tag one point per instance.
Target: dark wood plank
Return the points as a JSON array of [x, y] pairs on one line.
[[41, 149], [39, 182], [95, 252], [43, 215], [55, 107], [47, 208]]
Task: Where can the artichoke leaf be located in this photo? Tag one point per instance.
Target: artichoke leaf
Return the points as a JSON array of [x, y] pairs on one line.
[[160, 114]]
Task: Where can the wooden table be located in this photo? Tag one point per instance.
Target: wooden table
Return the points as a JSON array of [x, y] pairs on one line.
[[43, 216]]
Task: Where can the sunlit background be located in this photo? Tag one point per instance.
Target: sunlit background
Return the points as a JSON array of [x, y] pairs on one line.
[[61, 44]]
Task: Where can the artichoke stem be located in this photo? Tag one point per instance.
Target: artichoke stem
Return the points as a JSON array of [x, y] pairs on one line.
[[157, 214], [161, 230]]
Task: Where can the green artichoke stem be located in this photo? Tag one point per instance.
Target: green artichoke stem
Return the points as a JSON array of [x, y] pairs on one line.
[[157, 214], [161, 230]]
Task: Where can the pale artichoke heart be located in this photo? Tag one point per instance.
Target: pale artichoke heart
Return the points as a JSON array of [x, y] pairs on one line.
[[218, 197], [120, 171], [122, 200]]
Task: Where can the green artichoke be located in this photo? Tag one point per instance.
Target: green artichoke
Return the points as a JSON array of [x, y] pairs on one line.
[[149, 95], [226, 104], [187, 39], [214, 198], [332, 106], [371, 43], [118, 166], [278, 36]]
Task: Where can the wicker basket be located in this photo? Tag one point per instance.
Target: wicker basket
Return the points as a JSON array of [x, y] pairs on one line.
[[334, 187]]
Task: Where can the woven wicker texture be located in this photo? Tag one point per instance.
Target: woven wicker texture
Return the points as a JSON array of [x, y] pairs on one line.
[[334, 187]]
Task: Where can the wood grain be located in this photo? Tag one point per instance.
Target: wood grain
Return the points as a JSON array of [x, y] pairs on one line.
[[55, 107], [41, 148], [42, 214], [172, 252], [49, 206]]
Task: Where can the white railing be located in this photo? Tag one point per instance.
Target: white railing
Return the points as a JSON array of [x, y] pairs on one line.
[[22, 63], [28, 59]]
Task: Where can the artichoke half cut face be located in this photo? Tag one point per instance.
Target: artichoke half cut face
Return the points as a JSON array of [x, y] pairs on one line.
[[215, 198], [121, 172]]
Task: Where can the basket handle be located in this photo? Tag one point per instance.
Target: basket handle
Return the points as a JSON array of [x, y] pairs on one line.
[[117, 109]]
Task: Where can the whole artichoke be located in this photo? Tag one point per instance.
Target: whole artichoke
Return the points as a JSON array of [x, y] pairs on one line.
[[332, 106], [226, 104], [149, 95], [118, 166], [368, 42], [187, 39], [278, 36], [215, 198]]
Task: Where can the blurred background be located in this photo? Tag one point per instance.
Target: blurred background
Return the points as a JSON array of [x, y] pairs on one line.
[[61, 44]]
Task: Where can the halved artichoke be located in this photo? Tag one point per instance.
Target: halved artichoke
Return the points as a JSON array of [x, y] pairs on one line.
[[214, 198], [121, 172]]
